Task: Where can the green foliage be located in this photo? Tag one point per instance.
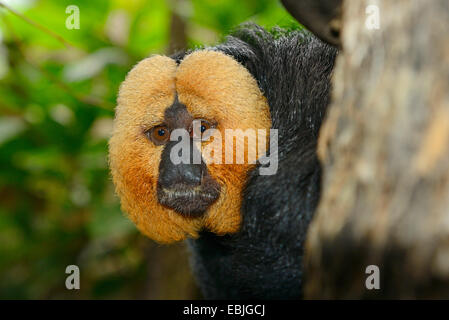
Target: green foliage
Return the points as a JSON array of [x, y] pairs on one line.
[[57, 202]]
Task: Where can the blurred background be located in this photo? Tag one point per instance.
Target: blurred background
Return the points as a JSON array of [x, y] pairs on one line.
[[58, 88]]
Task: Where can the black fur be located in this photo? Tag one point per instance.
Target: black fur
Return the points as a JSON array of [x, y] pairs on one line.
[[264, 260]]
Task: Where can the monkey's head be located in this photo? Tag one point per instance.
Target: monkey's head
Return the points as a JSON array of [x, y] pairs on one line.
[[161, 104]]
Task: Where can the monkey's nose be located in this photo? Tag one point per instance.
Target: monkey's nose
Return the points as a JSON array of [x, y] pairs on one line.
[[173, 175], [181, 174]]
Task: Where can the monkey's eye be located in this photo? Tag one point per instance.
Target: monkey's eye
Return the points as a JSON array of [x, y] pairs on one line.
[[159, 134], [199, 128]]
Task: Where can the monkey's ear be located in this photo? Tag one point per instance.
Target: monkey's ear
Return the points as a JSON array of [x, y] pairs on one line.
[[321, 17]]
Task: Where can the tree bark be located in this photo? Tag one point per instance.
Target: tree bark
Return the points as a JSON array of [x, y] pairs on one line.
[[178, 29], [385, 153]]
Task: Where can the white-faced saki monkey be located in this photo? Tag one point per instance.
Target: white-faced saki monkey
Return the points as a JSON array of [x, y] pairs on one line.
[[245, 228]]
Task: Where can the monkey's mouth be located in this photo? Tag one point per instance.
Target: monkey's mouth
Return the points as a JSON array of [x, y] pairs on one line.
[[188, 201]]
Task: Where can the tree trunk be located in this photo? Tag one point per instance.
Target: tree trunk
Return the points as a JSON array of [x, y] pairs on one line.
[[178, 32], [385, 153]]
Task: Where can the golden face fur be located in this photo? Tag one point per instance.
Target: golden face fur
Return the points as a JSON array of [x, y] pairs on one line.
[[212, 86]]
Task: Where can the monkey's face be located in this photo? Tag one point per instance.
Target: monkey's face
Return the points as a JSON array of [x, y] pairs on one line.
[[197, 101]]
